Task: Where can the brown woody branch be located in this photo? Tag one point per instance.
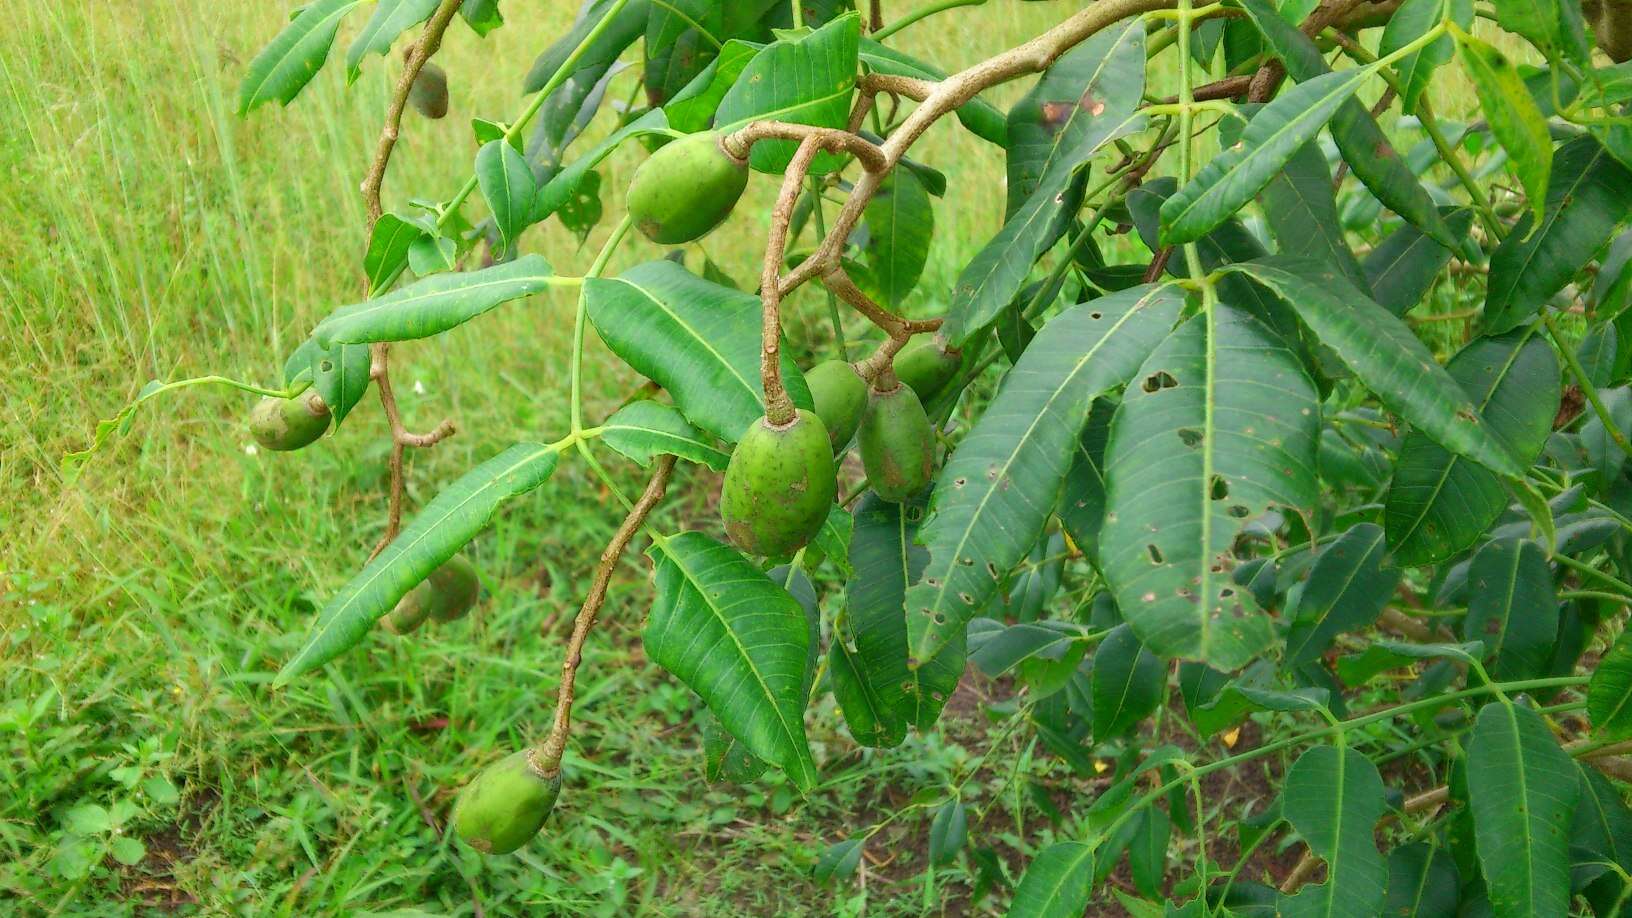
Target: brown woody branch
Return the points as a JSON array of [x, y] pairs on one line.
[[430, 41], [906, 87], [779, 410], [1033, 56], [897, 330], [740, 142], [546, 757]]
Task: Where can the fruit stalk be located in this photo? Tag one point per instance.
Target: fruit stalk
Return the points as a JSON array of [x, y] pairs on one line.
[[778, 407], [546, 756]]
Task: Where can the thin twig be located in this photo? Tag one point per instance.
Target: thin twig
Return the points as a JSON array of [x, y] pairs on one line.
[[546, 758], [379, 364], [400, 438]]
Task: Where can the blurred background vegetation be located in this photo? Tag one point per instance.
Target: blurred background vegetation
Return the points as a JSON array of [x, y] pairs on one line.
[[151, 233]]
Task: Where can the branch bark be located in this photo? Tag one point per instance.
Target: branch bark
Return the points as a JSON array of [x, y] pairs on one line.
[[779, 410], [546, 757]]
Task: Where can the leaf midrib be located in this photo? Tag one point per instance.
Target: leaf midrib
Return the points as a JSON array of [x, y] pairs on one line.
[[400, 548], [969, 528], [796, 741]]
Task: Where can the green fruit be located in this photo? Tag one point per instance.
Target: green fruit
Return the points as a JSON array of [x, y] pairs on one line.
[[779, 486], [503, 808], [897, 444], [686, 189], [429, 94], [927, 365], [447, 594], [840, 395], [289, 423]]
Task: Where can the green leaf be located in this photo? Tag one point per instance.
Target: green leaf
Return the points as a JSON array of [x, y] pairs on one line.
[[676, 50], [446, 525], [1068, 115], [434, 304], [724, 758], [899, 226], [1082, 500], [628, 25], [1440, 503], [692, 108], [1002, 482], [1087, 99], [1512, 607], [995, 648], [561, 187], [1609, 694], [886, 696], [481, 15], [1218, 426], [803, 80], [1147, 856], [1518, 124], [128, 851], [1539, 21], [1410, 22], [1347, 589], [1237, 175], [1402, 268], [340, 374], [1588, 198], [1240, 697], [1302, 214], [286, 65], [1422, 882], [1056, 884], [388, 247], [1522, 791], [699, 340], [947, 832], [840, 860], [391, 18], [508, 186], [1333, 796], [1359, 139], [1603, 824], [1380, 350], [1127, 684], [738, 640], [643, 429]]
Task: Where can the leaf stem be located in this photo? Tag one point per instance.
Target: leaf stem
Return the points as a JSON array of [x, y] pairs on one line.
[[581, 317], [1331, 730]]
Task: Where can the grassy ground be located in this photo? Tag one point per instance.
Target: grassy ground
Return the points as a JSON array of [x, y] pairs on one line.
[[153, 234]]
